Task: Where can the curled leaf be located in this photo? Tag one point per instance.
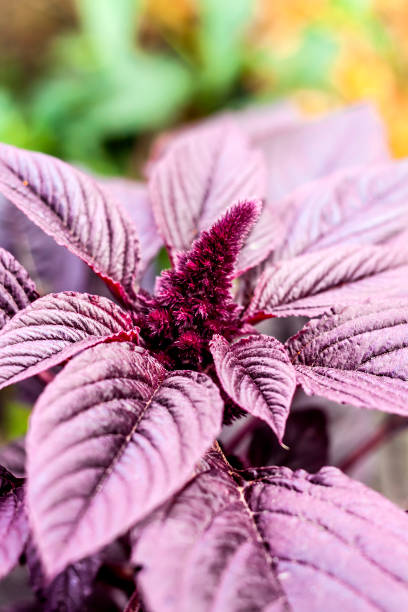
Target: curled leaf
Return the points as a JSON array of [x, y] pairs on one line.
[[17, 290], [358, 355], [73, 209], [13, 521], [13, 457], [111, 437], [257, 374], [54, 328]]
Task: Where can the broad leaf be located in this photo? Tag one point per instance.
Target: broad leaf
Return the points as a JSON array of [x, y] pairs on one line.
[[224, 542], [50, 265], [359, 206], [75, 211], [358, 355], [311, 284], [202, 551], [69, 590], [222, 168], [13, 521], [306, 150], [111, 438], [54, 328], [257, 374], [17, 290], [134, 197]]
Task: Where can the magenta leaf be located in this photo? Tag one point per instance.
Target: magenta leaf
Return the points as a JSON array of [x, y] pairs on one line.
[[202, 551], [310, 149], [54, 328], [347, 543], [111, 437], [228, 540], [50, 265], [256, 373], [75, 211], [222, 168], [311, 284], [69, 590], [17, 290], [359, 206], [358, 355], [13, 521], [135, 199], [13, 457]]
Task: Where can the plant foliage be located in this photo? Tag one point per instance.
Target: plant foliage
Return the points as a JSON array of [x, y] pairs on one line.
[[122, 445]]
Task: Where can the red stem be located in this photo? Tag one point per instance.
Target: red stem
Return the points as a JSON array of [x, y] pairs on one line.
[[385, 431]]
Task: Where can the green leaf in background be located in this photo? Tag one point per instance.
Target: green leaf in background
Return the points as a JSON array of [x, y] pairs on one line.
[[15, 417], [220, 42], [110, 26], [13, 128]]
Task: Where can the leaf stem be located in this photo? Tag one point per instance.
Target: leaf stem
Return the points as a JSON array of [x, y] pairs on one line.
[[386, 430]]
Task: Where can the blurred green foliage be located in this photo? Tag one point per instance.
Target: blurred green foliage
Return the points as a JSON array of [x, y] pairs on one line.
[[124, 69]]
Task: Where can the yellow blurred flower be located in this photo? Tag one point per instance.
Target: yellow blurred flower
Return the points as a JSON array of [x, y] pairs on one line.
[[172, 14]]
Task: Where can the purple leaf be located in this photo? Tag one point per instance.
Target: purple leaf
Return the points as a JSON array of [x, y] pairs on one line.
[[263, 122], [69, 590], [310, 149], [336, 544], [355, 207], [13, 457], [222, 168], [202, 551], [51, 266], [311, 284], [17, 290], [257, 374], [135, 199], [54, 328], [13, 521], [358, 355], [111, 437], [75, 211], [223, 544]]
